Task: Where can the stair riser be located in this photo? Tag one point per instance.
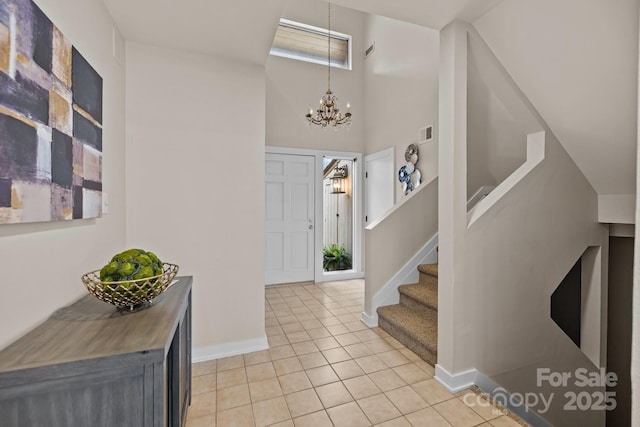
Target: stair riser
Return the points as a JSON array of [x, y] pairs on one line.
[[417, 305], [427, 279], [421, 350]]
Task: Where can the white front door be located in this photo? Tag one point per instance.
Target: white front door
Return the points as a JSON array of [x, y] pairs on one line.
[[289, 218]]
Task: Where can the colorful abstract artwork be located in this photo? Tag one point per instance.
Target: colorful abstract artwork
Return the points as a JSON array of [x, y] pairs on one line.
[[50, 121]]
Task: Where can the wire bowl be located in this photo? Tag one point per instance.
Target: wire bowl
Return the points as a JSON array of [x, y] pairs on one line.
[[130, 294]]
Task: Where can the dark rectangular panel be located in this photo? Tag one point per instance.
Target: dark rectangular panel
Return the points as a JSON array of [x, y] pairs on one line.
[[61, 159], [77, 202], [86, 131], [5, 193], [18, 149], [619, 327], [42, 39], [86, 86], [92, 185], [25, 97]]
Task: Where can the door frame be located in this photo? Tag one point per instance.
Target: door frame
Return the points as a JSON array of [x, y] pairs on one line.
[[357, 272], [387, 153]]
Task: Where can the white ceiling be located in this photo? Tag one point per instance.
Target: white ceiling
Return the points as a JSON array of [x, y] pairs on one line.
[[244, 29], [576, 60], [429, 13], [236, 29]]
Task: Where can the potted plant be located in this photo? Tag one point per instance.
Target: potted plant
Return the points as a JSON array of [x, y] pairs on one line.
[[335, 258]]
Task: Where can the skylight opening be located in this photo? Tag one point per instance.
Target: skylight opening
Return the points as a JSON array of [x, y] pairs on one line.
[[307, 43]]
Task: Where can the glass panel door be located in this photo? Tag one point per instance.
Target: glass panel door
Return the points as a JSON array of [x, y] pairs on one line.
[[338, 215]]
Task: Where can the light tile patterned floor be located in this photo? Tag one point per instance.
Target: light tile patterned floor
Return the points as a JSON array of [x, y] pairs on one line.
[[325, 367]]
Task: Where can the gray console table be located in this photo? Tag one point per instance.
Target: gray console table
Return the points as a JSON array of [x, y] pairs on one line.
[[90, 366]]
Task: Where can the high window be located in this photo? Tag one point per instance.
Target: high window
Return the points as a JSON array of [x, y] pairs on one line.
[[307, 43]]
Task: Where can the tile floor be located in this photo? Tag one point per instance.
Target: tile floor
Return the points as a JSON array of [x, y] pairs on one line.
[[325, 367]]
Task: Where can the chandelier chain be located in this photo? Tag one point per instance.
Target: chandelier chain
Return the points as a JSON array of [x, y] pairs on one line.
[[328, 113], [329, 47]]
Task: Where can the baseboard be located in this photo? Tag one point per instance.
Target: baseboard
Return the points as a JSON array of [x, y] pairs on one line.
[[455, 382], [388, 295], [463, 380], [218, 351], [370, 321], [332, 276], [501, 396]]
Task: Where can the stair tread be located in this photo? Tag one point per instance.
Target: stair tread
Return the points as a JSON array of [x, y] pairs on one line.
[[420, 326], [425, 294], [430, 269]]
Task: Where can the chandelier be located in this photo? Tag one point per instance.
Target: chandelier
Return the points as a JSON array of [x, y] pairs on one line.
[[328, 113]]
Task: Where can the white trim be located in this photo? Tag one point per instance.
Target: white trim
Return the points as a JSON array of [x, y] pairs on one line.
[[323, 32], [388, 295], [212, 352], [535, 155], [463, 380], [387, 153], [381, 154], [358, 217], [421, 187], [370, 321], [617, 208], [331, 276], [487, 385], [455, 382]]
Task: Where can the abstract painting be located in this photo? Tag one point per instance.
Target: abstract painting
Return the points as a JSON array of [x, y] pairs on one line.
[[50, 121]]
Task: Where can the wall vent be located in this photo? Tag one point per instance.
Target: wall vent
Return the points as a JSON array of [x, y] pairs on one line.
[[370, 49], [425, 134]]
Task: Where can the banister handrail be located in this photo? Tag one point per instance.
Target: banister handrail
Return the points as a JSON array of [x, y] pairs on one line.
[[397, 206], [535, 155]]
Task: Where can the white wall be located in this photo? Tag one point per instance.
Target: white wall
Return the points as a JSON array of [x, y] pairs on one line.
[[401, 90], [498, 269], [42, 262], [293, 86], [515, 256], [498, 122], [576, 60], [391, 241], [195, 181]]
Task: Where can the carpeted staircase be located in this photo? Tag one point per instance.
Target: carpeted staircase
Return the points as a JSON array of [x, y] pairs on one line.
[[414, 322]]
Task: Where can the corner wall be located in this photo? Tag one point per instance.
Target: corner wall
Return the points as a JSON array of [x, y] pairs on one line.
[[42, 262], [401, 90], [195, 185], [500, 263], [498, 122]]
